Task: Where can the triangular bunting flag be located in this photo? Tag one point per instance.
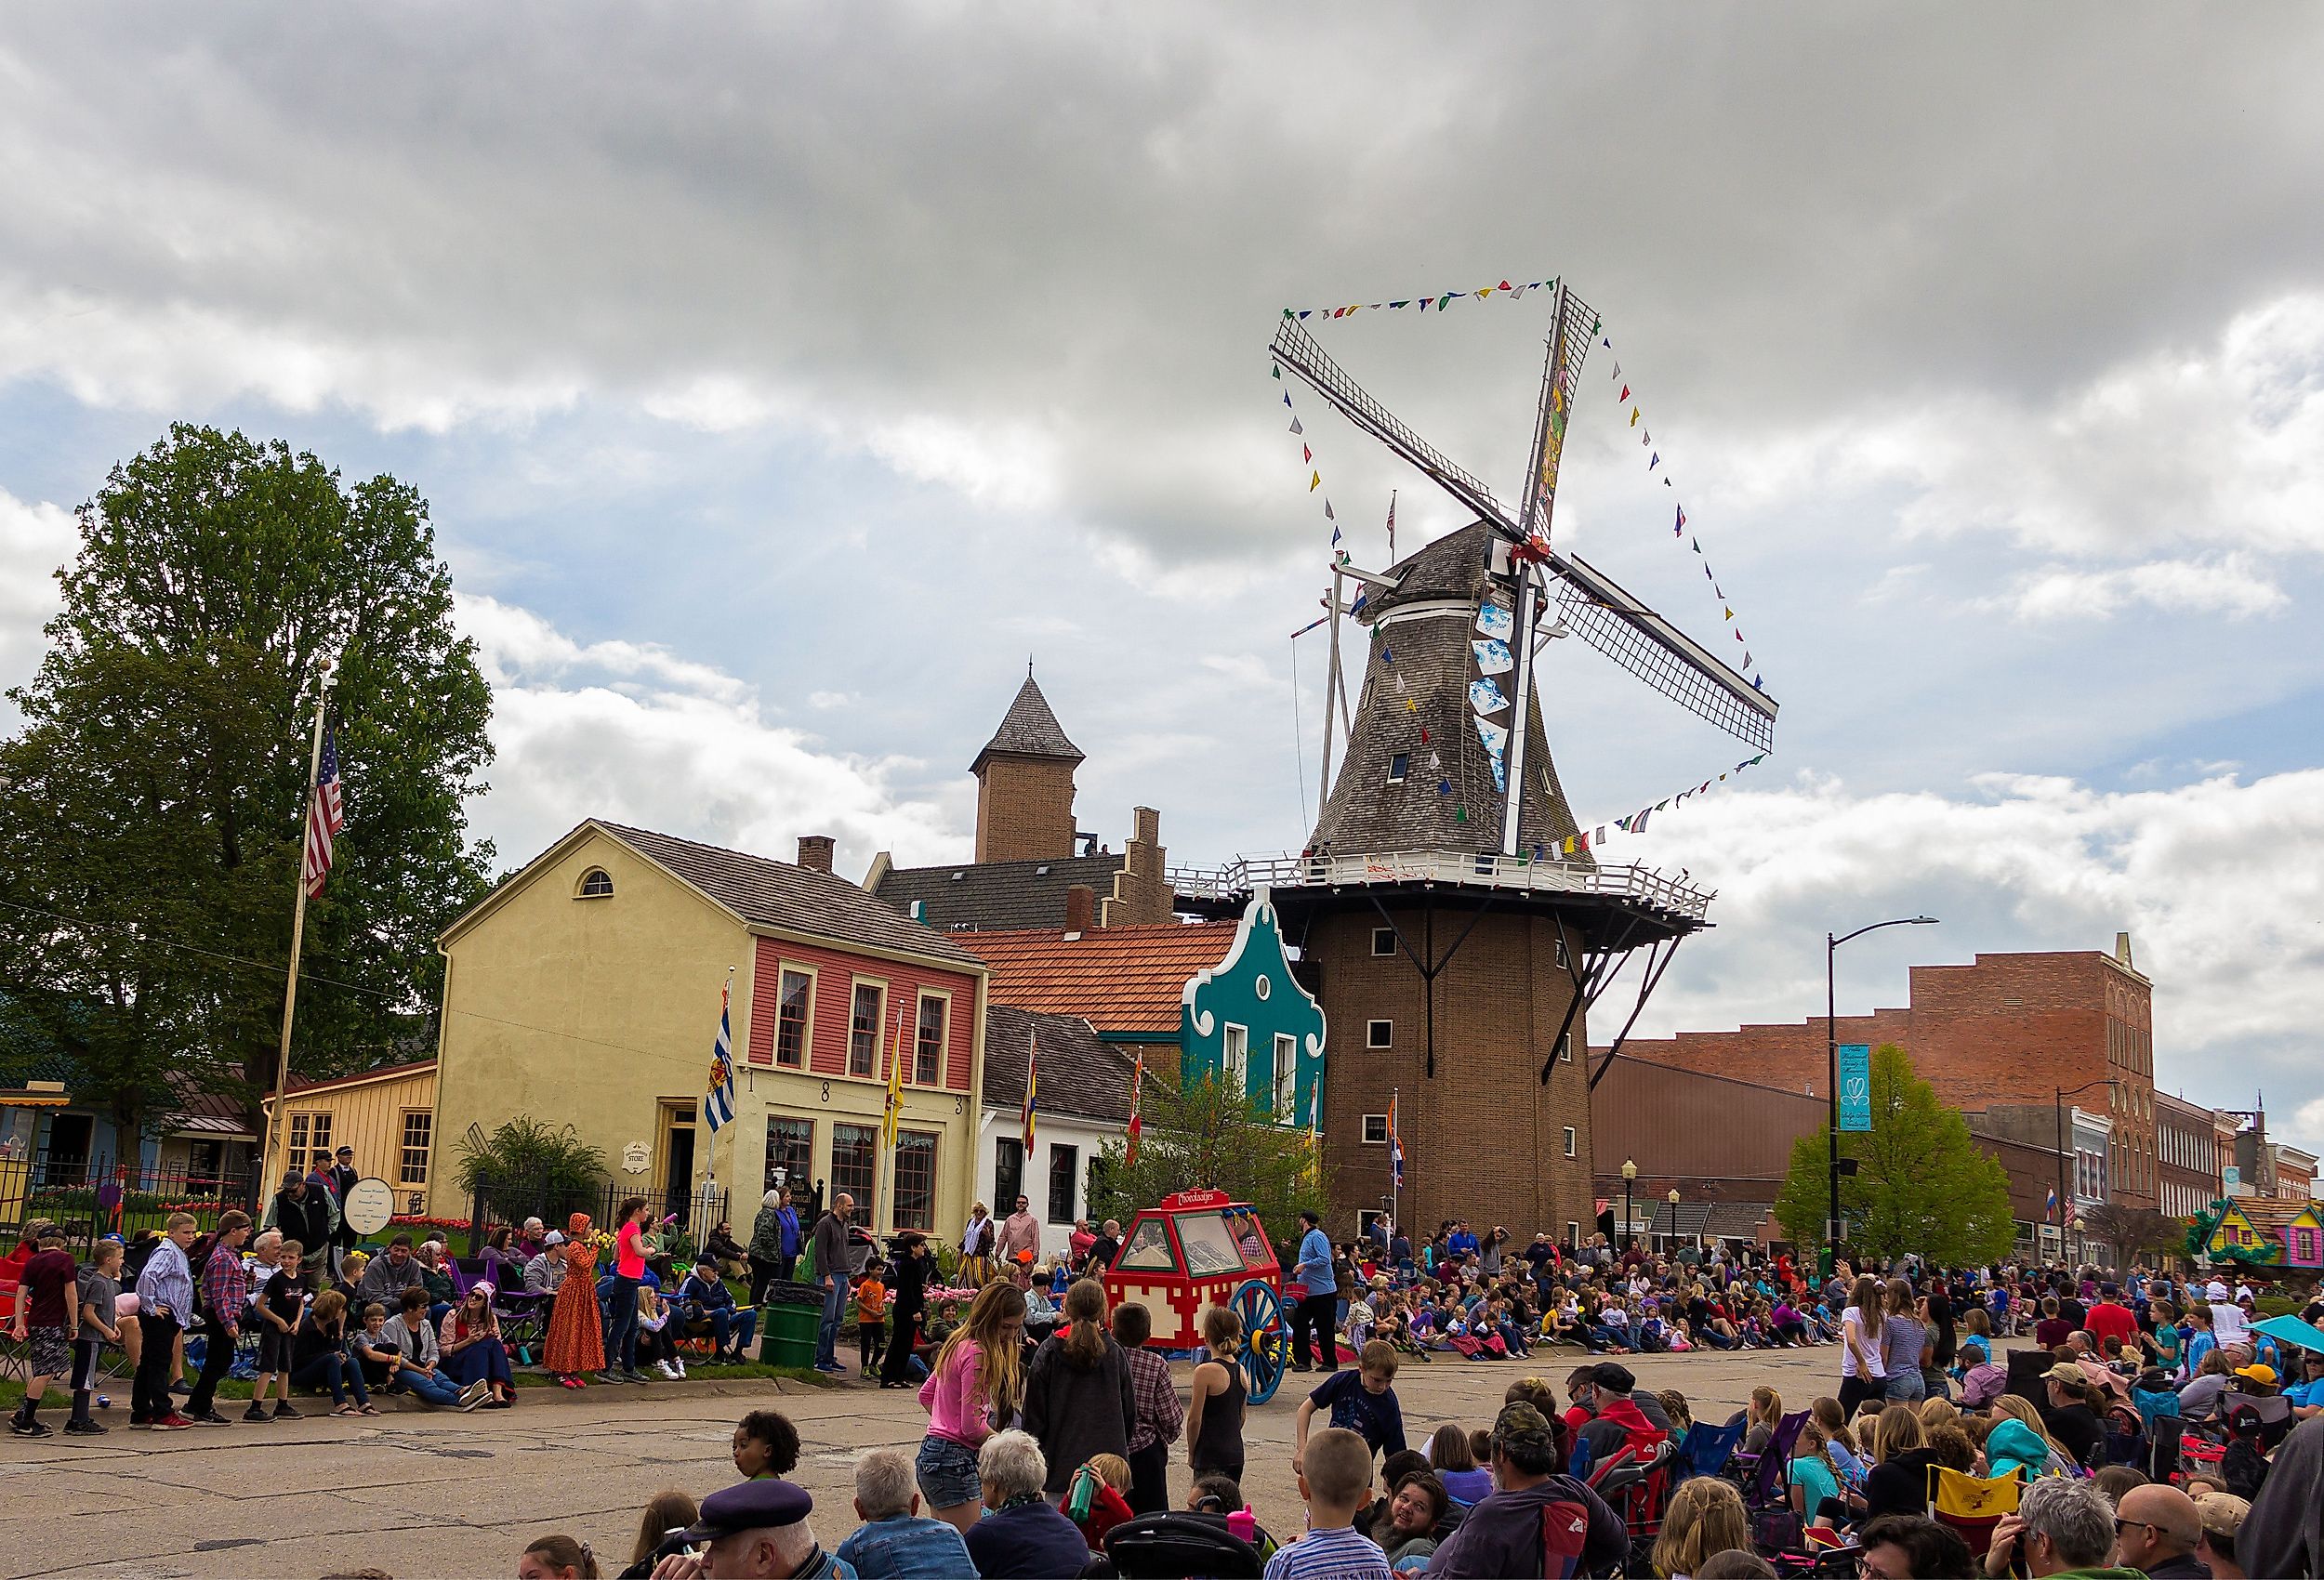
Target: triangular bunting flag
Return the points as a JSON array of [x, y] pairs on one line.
[[1624, 396], [1306, 453], [1327, 515], [1633, 417], [1678, 528], [1443, 787], [1655, 462], [1730, 614], [1315, 482]]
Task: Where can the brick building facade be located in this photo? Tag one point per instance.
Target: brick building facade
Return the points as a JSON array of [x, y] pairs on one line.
[[2187, 1156], [2009, 1029]]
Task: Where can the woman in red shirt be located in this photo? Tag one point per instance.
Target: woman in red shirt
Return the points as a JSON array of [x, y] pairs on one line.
[[630, 1246]]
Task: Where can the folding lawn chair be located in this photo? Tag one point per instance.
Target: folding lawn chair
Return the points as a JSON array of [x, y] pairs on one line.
[[15, 1356], [1705, 1450], [1972, 1505]]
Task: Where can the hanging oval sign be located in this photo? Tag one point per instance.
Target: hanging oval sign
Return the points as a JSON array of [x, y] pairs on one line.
[[370, 1206]]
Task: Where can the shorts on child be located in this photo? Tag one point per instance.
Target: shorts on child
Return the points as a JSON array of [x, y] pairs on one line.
[[47, 1353], [274, 1349], [948, 1475]]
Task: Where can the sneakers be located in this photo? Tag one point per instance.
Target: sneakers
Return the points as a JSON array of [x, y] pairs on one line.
[[173, 1422], [83, 1428], [609, 1375], [475, 1394], [210, 1419], [669, 1373], [28, 1427], [678, 1365], [282, 1412], [630, 1373], [255, 1413]]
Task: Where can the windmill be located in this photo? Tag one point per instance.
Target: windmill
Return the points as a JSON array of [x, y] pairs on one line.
[[1438, 919], [1588, 603]]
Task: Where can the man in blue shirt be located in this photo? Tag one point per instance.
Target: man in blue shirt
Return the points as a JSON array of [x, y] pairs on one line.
[[1462, 1243], [896, 1541], [1318, 1310]]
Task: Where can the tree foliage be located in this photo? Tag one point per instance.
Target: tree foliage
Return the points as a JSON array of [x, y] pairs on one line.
[[1208, 1136], [2132, 1231], [525, 1167], [1921, 1184], [153, 805]]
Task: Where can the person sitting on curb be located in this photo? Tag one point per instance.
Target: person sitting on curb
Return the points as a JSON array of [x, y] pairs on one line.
[[896, 1541]]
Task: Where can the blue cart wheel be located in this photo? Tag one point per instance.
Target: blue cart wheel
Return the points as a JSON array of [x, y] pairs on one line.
[[1264, 1338]]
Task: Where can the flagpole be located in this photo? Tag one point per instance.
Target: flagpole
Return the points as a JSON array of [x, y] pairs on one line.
[[1331, 691], [1395, 1178], [299, 930]]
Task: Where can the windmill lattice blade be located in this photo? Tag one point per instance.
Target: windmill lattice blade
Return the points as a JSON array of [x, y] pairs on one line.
[[1659, 654], [1296, 349]]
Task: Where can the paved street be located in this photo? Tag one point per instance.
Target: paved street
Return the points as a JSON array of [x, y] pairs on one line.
[[417, 1494]]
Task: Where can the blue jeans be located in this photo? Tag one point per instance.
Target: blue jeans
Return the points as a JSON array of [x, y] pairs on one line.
[[436, 1388], [337, 1372], [621, 1326], [827, 1333], [726, 1323]]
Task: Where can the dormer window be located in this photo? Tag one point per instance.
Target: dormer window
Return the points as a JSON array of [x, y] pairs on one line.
[[1396, 766], [596, 884]]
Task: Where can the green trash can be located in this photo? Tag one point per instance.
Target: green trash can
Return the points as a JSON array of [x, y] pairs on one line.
[[790, 1315]]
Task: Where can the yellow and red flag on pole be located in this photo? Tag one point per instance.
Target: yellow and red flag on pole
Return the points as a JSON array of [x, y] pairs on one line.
[[1032, 1080], [1137, 1084], [894, 1106]]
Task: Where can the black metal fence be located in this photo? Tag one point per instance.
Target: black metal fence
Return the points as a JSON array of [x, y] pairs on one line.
[[693, 1213], [94, 1197]]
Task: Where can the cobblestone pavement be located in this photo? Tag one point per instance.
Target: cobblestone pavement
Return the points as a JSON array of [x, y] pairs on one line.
[[440, 1494]]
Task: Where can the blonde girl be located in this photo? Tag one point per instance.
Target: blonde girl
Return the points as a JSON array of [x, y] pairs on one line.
[[1705, 1516], [1764, 1414], [975, 1389]]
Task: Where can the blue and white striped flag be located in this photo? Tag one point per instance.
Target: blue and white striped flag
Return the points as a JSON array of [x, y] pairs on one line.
[[718, 1104]]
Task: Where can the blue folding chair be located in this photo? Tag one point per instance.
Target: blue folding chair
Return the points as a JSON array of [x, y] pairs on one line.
[[1706, 1449]]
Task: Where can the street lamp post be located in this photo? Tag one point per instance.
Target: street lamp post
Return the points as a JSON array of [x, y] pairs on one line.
[[1832, 1069], [2066, 1199], [1629, 1217], [1672, 1247]]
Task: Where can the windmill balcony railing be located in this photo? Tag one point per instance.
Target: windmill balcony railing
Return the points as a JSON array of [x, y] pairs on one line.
[[1286, 869]]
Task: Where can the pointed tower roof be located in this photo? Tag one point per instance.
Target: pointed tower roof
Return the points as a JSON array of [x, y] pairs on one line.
[[1028, 730]]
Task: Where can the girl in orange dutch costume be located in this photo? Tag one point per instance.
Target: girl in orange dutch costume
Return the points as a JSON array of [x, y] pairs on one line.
[[576, 1333]]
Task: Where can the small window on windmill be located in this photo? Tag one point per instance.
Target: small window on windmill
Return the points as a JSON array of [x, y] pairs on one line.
[[1383, 941], [1375, 1130], [957, 876], [1380, 1033], [1041, 871], [1396, 766], [1572, 1142]]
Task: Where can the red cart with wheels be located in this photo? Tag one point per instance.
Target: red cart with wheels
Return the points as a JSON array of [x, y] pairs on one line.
[[1200, 1248]]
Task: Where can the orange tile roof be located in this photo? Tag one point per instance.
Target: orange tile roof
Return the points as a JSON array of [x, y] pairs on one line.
[[1118, 979]]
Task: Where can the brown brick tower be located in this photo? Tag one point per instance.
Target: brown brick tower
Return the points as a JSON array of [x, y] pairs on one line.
[[1024, 784], [1458, 980]]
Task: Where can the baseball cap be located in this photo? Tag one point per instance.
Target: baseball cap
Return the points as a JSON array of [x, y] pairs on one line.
[[2222, 1513], [2064, 1372], [2259, 1372], [1613, 1376], [1521, 1428], [750, 1505], [554, 1237]]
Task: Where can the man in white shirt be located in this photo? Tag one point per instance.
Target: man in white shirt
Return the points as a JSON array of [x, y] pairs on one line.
[[2227, 1325], [1020, 1233]]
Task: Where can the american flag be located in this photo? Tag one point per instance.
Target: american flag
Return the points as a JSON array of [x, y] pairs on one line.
[[326, 816]]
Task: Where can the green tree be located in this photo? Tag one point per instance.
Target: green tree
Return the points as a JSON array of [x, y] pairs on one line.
[[152, 807], [1921, 1184], [1206, 1137]]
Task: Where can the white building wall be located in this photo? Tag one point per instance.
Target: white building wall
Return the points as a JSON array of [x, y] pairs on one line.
[[1087, 1136]]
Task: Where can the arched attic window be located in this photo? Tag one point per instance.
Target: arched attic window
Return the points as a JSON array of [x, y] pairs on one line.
[[596, 884]]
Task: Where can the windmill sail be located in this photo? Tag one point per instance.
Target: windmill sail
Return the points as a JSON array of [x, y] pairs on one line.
[[1618, 624]]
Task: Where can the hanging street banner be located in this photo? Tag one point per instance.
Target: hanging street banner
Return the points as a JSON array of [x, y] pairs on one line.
[[1856, 1086]]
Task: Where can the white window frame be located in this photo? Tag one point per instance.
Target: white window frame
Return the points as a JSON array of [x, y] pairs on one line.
[[1573, 1235], [1380, 1033], [1234, 1059], [1387, 936], [806, 1023], [1370, 1140], [943, 1040], [1286, 1076], [1397, 776], [1365, 1218], [879, 1028], [1573, 1142], [1565, 1047]]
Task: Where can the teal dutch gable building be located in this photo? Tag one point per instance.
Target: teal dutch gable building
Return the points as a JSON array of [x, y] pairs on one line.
[[1248, 1019]]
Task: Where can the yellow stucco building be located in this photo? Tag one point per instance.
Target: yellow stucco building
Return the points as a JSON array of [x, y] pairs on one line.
[[584, 989], [387, 1114]]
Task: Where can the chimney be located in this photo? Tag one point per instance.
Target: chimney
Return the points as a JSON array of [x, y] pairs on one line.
[[1081, 909], [2122, 950], [814, 853]]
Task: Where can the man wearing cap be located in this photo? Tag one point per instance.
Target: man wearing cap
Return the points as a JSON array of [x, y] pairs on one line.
[[1532, 1512], [2068, 1417], [756, 1531], [304, 1213], [2227, 1324], [2157, 1529], [343, 1177], [1618, 1419]]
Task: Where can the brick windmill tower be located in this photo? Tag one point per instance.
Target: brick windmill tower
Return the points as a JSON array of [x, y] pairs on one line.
[[1456, 941]]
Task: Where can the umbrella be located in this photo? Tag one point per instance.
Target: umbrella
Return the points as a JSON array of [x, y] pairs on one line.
[[2292, 1330]]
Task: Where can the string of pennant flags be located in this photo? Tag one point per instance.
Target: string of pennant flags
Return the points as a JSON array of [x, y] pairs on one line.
[[1581, 843], [1679, 533], [1441, 300]]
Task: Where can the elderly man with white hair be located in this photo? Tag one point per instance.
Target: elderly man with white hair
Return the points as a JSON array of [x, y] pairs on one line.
[[2064, 1527], [756, 1531], [895, 1542], [1021, 1535]]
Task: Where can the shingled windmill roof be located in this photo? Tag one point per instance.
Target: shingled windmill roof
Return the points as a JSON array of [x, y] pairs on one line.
[[1028, 730], [1417, 669]]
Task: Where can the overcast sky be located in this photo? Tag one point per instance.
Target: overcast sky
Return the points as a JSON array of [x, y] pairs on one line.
[[782, 377]]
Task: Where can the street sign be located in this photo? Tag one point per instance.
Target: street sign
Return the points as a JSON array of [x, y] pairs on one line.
[[1855, 1086]]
